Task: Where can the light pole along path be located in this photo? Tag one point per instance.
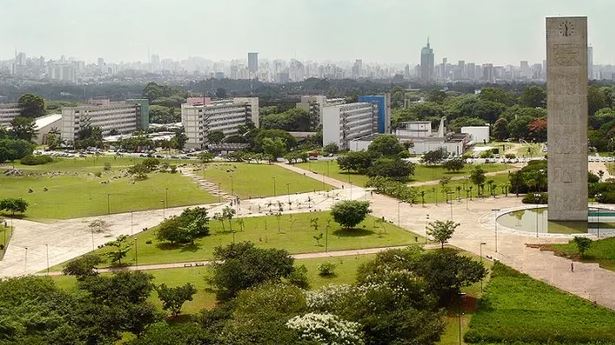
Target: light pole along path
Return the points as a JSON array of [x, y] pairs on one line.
[[478, 226]]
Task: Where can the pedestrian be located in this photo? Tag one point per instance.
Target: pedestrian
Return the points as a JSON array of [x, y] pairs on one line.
[[571, 266]]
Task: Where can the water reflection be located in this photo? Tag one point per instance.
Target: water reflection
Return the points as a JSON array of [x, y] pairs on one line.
[[600, 222]]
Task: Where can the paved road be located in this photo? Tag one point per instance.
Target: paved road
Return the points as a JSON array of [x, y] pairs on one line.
[[333, 254], [477, 226]]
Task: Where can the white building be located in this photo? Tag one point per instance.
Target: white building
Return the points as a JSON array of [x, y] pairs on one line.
[[45, 124], [314, 105], [226, 116], [121, 117], [8, 111], [343, 123], [424, 139], [478, 134]]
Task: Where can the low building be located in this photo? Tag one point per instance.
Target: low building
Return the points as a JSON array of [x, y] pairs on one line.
[[8, 111], [112, 117], [226, 116], [384, 110], [344, 123], [45, 124], [424, 139], [478, 134]]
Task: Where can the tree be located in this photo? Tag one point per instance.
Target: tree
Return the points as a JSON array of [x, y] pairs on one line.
[[215, 137], [239, 266], [162, 333], [31, 105], [497, 95], [454, 164], [275, 147], [433, 157], [533, 97], [14, 205], [119, 250], [206, 157], [393, 168], [357, 161], [83, 266], [386, 145], [185, 228], [12, 149], [349, 213], [446, 272], [477, 176], [179, 140], [23, 128], [331, 148], [583, 244], [441, 231], [54, 139], [221, 93], [174, 298], [500, 129], [537, 129]]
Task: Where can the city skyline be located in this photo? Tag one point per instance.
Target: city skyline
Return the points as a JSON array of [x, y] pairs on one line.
[[499, 32]]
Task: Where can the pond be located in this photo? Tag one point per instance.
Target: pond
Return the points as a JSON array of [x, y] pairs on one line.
[[599, 222]]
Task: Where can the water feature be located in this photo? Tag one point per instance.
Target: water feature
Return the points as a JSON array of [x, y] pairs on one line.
[[600, 222]]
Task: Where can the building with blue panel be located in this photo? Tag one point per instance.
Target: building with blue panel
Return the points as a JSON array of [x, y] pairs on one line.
[[384, 110]]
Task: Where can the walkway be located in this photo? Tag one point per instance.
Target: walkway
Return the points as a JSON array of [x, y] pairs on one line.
[[333, 254], [209, 187], [477, 226]]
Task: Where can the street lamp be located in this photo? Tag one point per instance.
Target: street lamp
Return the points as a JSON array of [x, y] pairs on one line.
[[450, 196], [288, 191], [481, 261], [495, 221], [136, 254], [232, 186], [163, 209], [460, 297], [166, 197]]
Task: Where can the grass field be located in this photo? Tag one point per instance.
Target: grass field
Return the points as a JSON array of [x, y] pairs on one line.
[[294, 235], [85, 195], [601, 252], [436, 191], [345, 270], [422, 173], [257, 180], [518, 309], [88, 163]]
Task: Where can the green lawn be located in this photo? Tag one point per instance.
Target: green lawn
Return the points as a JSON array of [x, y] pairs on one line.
[[345, 274], [437, 193], [518, 309], [601, 252], [421, 172], [294, 235], [88, 163], [257, 180], [83, 194]]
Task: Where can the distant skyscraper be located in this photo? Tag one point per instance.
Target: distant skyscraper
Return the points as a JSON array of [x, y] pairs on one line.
[[357, 68], [590, 63], [253, 63], [427, 63]]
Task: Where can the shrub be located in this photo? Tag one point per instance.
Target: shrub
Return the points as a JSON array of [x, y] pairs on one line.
[[36, 160], [185, 228], [536, 198], [393, 168], [396, 189], [107, 166], [327, 329], [326, 269]]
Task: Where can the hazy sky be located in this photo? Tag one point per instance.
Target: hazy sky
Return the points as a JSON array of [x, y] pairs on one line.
[[498, 31]]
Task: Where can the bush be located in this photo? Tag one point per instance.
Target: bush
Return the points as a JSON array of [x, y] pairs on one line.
[[326, 269], [83, 266], [396, 189], [185, 228], [36, 160], [393, 168], [536, 198]]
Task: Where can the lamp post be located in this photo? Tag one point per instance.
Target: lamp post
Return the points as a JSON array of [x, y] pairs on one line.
[[131, 223], [495, 221], [450, 196], [25, 263], [481, 261], [166, 197], [232, 186], [460, 297], [288, 191], [273, 177], [163, 209]]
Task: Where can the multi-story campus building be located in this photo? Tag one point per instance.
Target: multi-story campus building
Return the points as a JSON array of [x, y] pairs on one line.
[[384, 110], [8, 111], [346, 122], [201, 118], [121, 117], [314, 105]]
